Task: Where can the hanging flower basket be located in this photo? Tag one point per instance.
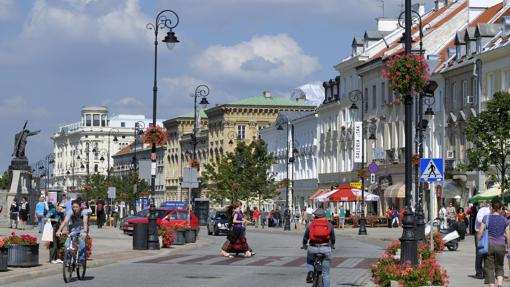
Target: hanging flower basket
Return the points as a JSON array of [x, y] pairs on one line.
[[155, 135], [194, 163], [406, 72]]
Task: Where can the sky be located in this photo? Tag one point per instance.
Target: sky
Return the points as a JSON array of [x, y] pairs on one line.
[[59, 55]]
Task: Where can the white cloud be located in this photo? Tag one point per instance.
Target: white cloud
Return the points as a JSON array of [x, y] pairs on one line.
[[8, 10], [82, 21], [263, 59]]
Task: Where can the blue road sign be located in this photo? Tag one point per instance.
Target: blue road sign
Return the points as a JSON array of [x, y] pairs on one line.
[[431, 169], [373, 167]]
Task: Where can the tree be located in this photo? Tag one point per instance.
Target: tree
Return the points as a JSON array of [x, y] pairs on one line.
[[240, 175], [489, 134], [124, 186], [5, 180]]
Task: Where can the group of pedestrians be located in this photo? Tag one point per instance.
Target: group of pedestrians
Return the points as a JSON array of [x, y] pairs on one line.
[[19, 213]]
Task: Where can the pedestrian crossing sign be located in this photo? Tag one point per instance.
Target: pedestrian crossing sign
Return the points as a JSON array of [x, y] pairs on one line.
[[431, 169]]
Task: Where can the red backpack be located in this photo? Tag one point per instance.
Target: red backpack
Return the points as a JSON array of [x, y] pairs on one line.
[[320, 231]]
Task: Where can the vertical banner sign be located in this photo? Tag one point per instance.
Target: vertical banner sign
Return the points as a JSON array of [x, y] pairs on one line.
[[357, 141]]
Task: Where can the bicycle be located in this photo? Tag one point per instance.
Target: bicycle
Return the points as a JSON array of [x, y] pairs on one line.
[[317, 279], [70, 258]]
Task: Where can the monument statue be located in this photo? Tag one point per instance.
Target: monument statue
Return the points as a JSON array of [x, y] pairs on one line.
[[20, 142]]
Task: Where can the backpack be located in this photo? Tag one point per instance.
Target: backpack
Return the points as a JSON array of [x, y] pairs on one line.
[[320, 231]]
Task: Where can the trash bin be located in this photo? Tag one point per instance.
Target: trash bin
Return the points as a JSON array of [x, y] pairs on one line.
[[140, 232]]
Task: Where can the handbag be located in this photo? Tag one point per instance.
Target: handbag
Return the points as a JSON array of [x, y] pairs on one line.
[[47, 234], [483, 243]]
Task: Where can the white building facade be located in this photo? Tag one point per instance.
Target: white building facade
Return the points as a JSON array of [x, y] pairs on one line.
[[86, 147]]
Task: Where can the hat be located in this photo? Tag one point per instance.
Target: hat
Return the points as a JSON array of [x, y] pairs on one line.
[[319, 212]]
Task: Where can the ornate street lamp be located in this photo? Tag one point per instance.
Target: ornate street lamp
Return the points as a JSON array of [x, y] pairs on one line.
[[283, 119], [162, 21], [355, 96], [201, 91]]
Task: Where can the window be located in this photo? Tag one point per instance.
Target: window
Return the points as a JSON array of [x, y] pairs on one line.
[[506, 83], [88, 121], [454, 94], [366, 99], [383, 92], [96, 168], [122, 124], [241, 132], [103, 120], [491, 85], [374, 97], [463, 92], [96, 120]]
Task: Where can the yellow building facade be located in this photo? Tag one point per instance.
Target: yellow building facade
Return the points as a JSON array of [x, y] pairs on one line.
[[222, 128]]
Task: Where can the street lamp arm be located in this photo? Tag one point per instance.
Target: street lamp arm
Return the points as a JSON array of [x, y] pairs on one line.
[[163, 21], [355, 95]]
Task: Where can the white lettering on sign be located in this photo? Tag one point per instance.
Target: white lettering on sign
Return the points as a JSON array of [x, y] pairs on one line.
[[358, 128]]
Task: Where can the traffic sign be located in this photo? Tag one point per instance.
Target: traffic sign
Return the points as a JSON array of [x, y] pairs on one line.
[[356, 184], [372, 178], [373, 167], [431, 169], [112, 192]]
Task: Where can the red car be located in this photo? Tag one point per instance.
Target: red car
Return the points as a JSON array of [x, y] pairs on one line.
[[177, 216]]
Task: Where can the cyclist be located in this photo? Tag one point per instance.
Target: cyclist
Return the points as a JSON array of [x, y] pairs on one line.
[[320, 235], [78, 224]]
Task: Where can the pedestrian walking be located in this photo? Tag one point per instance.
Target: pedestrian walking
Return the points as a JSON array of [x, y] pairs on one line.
[[451, 213], [54, 216], [40, 212], [443, 217], [389, 217], [472, 218], [236, 239], [479, 259], [341, 215], [14, 214], [115, 214], [395, 222], [263, 218], [276, 218], [24, 211], [100, 212], [256, 216], [497, 227], [462, 223]]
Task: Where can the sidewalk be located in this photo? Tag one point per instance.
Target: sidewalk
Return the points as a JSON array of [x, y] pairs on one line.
[[109, 245]]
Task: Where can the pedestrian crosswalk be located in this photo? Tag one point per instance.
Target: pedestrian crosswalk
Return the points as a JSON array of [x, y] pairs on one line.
[[257, 261]]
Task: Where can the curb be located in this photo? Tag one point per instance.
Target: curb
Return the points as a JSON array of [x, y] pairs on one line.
[[95, 263]]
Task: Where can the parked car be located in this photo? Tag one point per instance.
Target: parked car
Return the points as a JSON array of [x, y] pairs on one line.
[[177, 216], [217, 223]]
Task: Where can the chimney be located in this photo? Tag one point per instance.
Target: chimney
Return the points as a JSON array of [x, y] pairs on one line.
[[419, 7], [301, 99], [505, 24], [439, 4], [266, 94]]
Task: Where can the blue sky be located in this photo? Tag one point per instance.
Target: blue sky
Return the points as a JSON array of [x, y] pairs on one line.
[[58, 55]]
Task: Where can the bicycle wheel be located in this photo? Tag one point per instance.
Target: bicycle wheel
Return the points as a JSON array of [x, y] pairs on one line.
[[319, 282], [81, 269], [68, 266]]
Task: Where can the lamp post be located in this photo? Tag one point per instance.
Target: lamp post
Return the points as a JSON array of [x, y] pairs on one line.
[[288, 158], [115, 133], [200, 91], [139, 126], [355, 96], [162, 22], [409, 244], [50, 159]]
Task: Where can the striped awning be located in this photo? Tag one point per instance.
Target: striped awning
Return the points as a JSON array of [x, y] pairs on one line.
[[317, 193], [397, 190]]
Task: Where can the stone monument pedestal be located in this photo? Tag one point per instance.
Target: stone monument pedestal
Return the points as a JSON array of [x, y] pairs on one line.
[[21, 185]]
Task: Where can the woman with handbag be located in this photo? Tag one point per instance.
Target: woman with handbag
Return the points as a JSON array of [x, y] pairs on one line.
[[495, 228]]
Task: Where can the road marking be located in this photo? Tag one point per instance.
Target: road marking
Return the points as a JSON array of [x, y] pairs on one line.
[[296, 262], [263, 261], [282, 261], [183, 258], [198, 260], [350, 263]]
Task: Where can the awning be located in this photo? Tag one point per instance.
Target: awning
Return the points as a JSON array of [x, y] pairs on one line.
[[452, 189], [397, 190], [324, 197], [317, 193], [344, 193], [491, 193], [368, 196]]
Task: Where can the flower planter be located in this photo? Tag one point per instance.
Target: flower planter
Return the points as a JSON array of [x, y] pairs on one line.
[[191, 236], [397, 284], [180, 237], [4, 256], [23, 255]]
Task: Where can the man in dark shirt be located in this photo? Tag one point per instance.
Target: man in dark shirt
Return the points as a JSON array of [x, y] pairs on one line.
[[320, 241]]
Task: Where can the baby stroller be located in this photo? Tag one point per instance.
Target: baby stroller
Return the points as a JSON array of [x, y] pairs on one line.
[[449, 235]]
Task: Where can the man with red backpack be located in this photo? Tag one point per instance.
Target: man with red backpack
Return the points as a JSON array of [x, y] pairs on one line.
[[319, 238]]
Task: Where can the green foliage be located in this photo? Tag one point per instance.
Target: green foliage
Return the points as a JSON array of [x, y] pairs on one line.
[[489, 135], [5, 180], [98, 187], [241, 175]]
